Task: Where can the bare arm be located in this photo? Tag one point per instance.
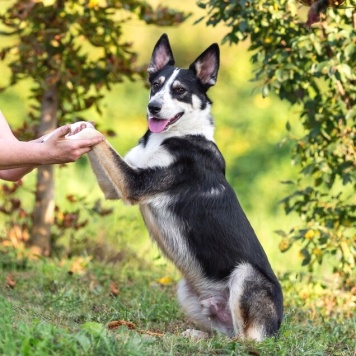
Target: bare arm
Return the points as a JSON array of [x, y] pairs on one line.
[[18, 158]]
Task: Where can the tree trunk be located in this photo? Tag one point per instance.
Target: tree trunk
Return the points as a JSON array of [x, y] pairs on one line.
[[43, 213]]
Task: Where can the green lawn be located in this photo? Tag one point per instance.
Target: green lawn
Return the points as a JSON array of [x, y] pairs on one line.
[[64, 307]]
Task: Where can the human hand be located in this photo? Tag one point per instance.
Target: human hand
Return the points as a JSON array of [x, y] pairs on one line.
[[69, 142]]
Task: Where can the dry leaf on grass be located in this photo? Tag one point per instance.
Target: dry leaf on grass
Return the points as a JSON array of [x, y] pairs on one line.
[[165, 280], [150, 333], [10, 282], [114, 324], [114, 291], [79, 265]]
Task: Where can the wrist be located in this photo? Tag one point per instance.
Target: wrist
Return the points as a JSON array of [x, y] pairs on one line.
[[40, 154]]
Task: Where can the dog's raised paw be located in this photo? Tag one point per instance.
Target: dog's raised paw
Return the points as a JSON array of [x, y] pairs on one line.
[[195, 334]]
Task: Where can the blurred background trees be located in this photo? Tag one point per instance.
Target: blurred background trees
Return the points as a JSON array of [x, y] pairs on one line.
[[311, 69], [54, 47]]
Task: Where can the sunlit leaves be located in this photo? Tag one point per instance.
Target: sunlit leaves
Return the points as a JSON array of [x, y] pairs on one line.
[[315, 69], [74, 49], [76, 46]]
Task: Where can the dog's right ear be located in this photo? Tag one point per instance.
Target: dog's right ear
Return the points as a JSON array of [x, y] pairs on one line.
[[162, 55]]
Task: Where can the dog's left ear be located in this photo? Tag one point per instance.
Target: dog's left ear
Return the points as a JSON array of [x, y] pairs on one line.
[[206, 66]]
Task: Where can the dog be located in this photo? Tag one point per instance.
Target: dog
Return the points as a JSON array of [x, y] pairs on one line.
[[176, 174]]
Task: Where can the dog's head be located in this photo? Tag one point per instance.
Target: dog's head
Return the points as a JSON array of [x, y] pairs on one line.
[[178, 96]]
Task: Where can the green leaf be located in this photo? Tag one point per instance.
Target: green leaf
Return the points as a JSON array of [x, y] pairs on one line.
[[93, 328], [84, 342], [306, 256], [265, 91], [281, 233]]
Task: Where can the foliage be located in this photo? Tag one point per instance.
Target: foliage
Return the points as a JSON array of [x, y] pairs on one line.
[[18, 222], [314, 70], [73, 311], [72, 51], [75, 45]]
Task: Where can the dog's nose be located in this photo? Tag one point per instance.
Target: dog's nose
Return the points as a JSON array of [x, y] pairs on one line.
[[154, 107]]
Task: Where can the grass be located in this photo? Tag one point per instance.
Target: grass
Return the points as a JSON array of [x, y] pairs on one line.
[[64, 307]]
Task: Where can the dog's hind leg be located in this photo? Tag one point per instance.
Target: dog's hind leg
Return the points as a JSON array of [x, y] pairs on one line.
[[254, 303], [208, 314]]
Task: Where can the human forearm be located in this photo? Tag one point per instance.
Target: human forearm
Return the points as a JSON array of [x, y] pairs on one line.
[[18, 158], [57, 149], [11, 157], [27, 155], [15, 174]]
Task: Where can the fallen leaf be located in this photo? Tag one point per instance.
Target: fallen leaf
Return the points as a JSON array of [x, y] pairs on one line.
[[114, 324], [165, 280], [79, 265], [114, 291], [10, 282], [150, 333]]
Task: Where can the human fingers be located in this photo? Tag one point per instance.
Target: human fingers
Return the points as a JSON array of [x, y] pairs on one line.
[[85, 135], [79, 126], [95, 140], [88, 144], [77, 129], [80, 151], [60, 132]]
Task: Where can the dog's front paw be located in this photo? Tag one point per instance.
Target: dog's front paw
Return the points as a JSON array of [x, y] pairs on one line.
[[78, 127], [195, 334], [82, 130]]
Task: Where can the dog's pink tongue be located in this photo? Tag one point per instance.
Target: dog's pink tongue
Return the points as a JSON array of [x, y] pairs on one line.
[[156, 125]]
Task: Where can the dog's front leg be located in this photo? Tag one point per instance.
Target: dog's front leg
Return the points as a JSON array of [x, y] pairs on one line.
[[96, 158], [112, 172], [107, 164], [118, 179], [102, 176], [133, 185]]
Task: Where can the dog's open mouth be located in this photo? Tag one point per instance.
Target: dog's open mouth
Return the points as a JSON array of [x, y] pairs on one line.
[[158, 125]]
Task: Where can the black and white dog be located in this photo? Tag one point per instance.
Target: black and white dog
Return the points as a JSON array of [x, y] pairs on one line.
[[177, 176]]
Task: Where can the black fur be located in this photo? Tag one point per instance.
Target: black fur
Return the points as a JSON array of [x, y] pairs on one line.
[[236, 241]]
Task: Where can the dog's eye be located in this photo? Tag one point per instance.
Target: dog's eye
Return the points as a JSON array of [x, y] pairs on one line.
[[156, 85], [179, 90]]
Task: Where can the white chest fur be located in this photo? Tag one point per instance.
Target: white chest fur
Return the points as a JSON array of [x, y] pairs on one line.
[[151, 155]]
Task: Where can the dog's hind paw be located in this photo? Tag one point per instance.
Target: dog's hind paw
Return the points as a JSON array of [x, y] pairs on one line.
[[195, 334]]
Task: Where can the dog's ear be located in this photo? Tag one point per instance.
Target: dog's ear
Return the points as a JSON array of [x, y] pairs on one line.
[[161, 56], [206, 66]]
